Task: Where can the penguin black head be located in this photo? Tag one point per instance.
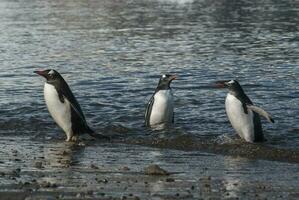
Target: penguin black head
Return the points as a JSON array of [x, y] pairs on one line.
[[165, 80], [232, 85], [50, 74]]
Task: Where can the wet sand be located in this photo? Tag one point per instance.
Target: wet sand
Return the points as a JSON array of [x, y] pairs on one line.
[[52, 169]]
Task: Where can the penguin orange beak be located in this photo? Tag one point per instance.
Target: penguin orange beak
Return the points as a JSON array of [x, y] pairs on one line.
[[41, 73], [173, 77], [221, 84]]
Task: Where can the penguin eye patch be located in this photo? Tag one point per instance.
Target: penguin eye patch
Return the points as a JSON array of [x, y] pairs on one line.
[[51, 72], [231, 82], [163, 76]]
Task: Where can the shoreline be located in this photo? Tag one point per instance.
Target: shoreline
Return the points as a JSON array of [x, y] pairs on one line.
[[51, 169], [255, 151]]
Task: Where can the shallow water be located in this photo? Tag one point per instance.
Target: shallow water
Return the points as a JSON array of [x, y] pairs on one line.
[[112, 52]]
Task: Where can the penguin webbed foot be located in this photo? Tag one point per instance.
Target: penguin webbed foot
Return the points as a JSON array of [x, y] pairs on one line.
[[74, 138], [68, 139]]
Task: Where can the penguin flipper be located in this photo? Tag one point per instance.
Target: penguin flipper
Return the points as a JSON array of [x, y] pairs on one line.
[[148, 111], [65, 93], [261, 112], [80, 114]]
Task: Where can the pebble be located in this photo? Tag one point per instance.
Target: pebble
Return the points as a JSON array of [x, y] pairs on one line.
[[101, 180], [46, 184], [89, 192], [125, 168], [170, 180], [81, 144], [38, 165], [65, 153], [14, 151], [92, 166], [155, 170], [79, 195]]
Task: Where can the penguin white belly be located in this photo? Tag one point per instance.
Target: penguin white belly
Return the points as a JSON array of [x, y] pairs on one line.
[[60, 112], [241, 122], [162, 109]]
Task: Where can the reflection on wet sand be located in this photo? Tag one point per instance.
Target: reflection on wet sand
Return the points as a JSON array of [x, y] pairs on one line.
[[60, 154], [233, 181]]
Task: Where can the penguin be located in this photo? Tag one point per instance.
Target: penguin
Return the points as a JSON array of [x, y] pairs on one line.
[[63, 106], [160, 108], [242, 114]]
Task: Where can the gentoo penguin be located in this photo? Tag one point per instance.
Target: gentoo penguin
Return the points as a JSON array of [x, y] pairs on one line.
[[64, 107], [242, 114], [160, 106]]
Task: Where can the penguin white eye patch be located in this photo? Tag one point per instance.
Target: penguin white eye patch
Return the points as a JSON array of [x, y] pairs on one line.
[[231, 82], [51, 72], [163, 76]]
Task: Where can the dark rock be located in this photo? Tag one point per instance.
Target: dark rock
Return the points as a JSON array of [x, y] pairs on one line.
[[38, 165], [101, 180], [155, 170], [46, 184], [170, 180], [125, 168], [64, 153], [92, 166], [89, 192]]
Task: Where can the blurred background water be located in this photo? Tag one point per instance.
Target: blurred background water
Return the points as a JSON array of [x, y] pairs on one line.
[[112, 53]]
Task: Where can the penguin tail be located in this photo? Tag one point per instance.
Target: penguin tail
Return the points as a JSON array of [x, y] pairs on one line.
[[96, 135]]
